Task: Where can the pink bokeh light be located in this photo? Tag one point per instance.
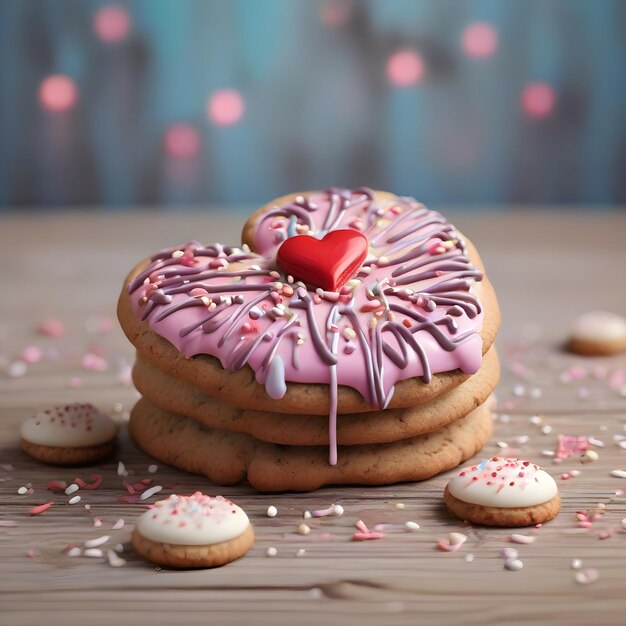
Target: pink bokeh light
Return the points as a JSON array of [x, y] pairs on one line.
[[112, 23], [538, 99], [58, 93], [405, 68], [182, 141], [225, 107], [479, 40]]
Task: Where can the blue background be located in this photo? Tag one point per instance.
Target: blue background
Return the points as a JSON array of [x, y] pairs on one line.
[[319, 107]]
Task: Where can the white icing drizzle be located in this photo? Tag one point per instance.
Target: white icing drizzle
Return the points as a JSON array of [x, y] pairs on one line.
[[502, 482], [194, 520], [69, 426]]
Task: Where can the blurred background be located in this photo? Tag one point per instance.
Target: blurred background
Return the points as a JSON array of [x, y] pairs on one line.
[[174, 102]]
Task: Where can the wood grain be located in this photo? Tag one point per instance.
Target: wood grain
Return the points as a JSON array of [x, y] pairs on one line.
[[547, 267]]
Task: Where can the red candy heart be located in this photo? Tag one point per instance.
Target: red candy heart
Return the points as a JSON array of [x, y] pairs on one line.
[[328, 263]]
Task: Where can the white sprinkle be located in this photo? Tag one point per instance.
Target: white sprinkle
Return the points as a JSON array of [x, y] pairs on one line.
[[152, 469], [307, 515], [400, 506], [114, 559], [547, 452], [618, 473], [119, 547], [271, 551], [455, 539], [337, 509], [509, 553], [71, 489], [17, 369], [576, 564], [97, 522], [622, 444], [536, 392], [535, 420], [519, 390], [513, 565], [574, 473], [98, 541], [587, 576], [303, 529], [72, 552], [505, 419], [301, 552], [148, 493], [546, 430], [469, 557], [272, 511], [93, 552], [411, 526], [22, 490], [119, 524], [589, 456], [521, 440], [74, 500], [522, 538], [502, 444], [121, 469], [177, 254], [595, 442]]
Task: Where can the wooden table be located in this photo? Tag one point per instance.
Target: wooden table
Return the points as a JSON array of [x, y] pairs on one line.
[[547, 268]]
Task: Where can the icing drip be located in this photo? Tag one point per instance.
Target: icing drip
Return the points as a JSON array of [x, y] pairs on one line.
[[411, 311]]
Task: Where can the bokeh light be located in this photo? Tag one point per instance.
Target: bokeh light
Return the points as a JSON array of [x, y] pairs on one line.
[[405, 68], [182, 141], [58, 93], [225, 107], [112, 23], [335, 13], [479, 40], [538, 99]]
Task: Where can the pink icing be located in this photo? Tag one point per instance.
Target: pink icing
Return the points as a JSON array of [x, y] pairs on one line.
[[411, 311]]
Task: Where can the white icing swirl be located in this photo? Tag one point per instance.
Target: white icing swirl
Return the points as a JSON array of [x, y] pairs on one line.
[[599, 326], [69, 426], [501, 482], [194, 520]]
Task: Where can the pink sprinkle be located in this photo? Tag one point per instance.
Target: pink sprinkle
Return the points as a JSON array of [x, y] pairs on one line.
[[51, 327], [129, 499], [367, 536], [57, 485], [37, 510], [31, 553], [94, 362], [448, 547], [31, 354], [605, 534], [617, 380], [96, 482], [97, 522]]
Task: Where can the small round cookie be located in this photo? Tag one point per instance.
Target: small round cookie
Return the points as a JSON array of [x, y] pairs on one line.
[[72, 434], [503, 492], [598, 333], [193, 531]]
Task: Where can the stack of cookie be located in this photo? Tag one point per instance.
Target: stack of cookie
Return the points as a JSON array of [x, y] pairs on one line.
[[348, 340]]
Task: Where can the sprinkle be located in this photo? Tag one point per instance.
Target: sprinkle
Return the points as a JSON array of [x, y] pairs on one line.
[[576, 564], [271, 551], [22, 491], [74, 500], [17, 369], [73, 552], [114, 559], [37, 510], [98, 541], [150, 492], [513, 565], [301, 552], [71, 489], [589, 456], [400, 506], [411, 526], [121, 469], [502, 444], [51, 327], [587, 576], [31, 553], [303, 529], [307, 515], [152, 469], [333, 509], [272, 511], [93, 552], [57, 485], [618, 473], [97, 522], [469, 557], [523, 538], [119, 524], [457, 538], [509, 553], [547, 429], [595, 442], [454, 542], [535, 420]]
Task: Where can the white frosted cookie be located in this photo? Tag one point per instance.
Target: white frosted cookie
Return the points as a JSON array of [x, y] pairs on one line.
[[69, 434], [503, 492], [598, 333], [193, 531]]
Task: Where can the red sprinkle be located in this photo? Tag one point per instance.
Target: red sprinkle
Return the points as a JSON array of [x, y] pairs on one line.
[[96, 482], [360, 536], [57, 485], [36, 510]]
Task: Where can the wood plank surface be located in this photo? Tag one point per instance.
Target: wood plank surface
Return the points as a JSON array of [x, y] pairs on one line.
[[547, 267]]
